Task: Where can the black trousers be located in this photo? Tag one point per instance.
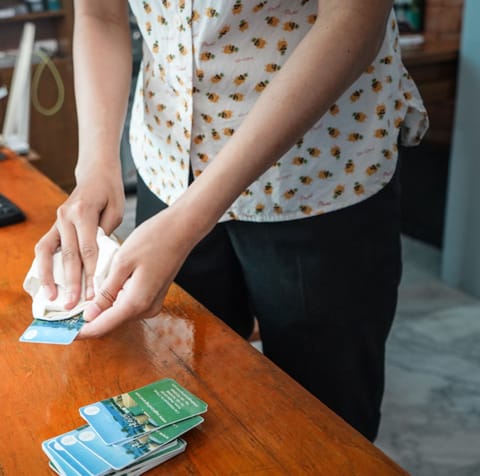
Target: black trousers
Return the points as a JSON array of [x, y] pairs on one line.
[[324, 291]]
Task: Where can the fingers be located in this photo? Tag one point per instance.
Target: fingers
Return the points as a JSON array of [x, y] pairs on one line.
[[75, 231], [138, 280], [108, 320], [132, 302], [101, 320], [72, 263], [77, 225], [111, 218], [44, 251], [103, 300], [88, 249], [108, 293]]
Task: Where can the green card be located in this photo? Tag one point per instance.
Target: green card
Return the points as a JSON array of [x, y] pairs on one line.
[[141, 411]]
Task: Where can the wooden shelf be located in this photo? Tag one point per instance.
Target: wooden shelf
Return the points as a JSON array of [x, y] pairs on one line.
[[33, 16], [429, 53], [434, 69], [54, 137]]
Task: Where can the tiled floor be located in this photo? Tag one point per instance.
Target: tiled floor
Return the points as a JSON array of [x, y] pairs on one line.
[[431, 411]]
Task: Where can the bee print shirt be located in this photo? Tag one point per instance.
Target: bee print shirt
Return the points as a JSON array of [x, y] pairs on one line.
[[205, 63]]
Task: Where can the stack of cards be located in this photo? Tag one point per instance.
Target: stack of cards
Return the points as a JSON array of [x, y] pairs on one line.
[[127, 434]]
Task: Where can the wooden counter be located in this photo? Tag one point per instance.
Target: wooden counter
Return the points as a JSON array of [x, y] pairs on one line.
[[259, 420]]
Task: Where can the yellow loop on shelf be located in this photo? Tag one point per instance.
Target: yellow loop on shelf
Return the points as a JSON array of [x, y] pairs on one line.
[[47, 62]]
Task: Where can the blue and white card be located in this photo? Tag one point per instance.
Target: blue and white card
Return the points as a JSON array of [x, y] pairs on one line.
[[149, 421], [53, 332], [126, 454], [64, 463], [94, 466], [177, 447]]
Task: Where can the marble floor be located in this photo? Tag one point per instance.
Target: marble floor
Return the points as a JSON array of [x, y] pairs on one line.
[[431, 410]]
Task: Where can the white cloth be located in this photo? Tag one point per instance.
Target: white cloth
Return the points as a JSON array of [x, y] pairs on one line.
[[42, 307]]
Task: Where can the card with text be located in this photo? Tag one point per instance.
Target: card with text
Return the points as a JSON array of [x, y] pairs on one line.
[[141, 411]]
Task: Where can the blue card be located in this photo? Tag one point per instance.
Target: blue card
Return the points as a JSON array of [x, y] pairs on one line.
[[121, 456], [63, 462], [94, 466], [65, 465], [53, 332], [173, 449]]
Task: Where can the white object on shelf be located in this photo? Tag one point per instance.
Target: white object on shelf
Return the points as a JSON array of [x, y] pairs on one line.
[[409, 40], [16, 127]]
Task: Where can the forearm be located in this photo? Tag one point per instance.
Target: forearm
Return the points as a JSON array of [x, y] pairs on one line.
[[102, 66], [323, 65]]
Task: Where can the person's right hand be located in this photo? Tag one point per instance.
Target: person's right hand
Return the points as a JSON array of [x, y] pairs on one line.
[[97, 200]]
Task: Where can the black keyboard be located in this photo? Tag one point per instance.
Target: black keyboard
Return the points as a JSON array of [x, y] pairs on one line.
[[9, 212]]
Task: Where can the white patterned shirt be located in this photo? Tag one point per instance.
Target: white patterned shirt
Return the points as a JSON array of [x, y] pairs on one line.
[[204, 65]]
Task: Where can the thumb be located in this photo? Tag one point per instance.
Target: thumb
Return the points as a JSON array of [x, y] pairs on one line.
[[106, 295], [103, 300]]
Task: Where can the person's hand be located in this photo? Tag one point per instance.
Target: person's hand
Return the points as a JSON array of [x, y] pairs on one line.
[[140, 275], [97, 200]]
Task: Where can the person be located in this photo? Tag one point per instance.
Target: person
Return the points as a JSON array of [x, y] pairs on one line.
[[265, 138]]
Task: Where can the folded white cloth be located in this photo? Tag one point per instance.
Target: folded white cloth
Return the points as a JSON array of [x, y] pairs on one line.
[[42, 307]]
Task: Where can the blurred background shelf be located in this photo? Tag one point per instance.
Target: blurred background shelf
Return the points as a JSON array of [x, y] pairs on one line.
[[53, 137], [33, 16]]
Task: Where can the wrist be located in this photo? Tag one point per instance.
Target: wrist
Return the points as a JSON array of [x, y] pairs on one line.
[[97, 164], [191, 224]]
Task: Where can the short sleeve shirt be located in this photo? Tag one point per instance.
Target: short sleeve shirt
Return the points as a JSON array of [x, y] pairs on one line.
[[206, 62]]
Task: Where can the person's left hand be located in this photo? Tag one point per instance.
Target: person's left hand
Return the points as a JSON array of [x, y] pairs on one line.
[[141, 273]]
